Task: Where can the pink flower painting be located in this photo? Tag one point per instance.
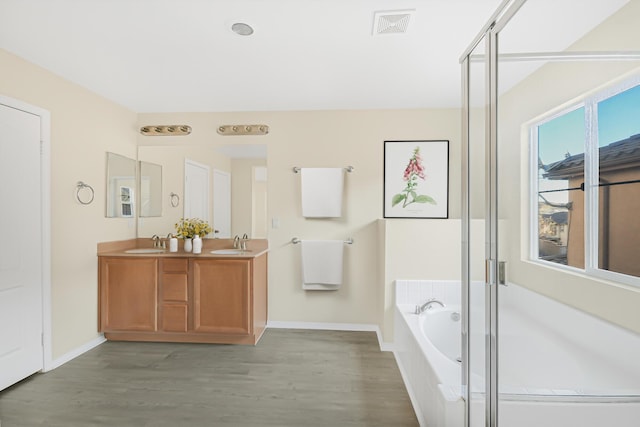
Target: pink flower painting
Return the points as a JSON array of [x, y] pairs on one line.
[[412, 173]]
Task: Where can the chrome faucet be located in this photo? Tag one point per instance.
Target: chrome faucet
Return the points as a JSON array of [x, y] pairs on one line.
[[236, 241], [428, 305], [243, 242], [156, 240]]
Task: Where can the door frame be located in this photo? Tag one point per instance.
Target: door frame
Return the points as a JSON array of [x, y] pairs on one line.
[[187, 163], [216, 199], [45, 202]]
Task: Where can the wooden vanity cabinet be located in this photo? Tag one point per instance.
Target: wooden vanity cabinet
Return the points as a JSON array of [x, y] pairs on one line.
[[128, 294], [183, 299]]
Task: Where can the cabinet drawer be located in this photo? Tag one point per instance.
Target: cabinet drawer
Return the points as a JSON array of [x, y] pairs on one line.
[[175, 265], [174, 287], [174, 317]]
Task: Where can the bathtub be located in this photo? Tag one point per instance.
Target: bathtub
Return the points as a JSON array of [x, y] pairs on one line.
[[558, 366]]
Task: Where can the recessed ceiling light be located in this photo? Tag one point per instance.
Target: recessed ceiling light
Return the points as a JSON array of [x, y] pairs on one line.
[[242, 29]]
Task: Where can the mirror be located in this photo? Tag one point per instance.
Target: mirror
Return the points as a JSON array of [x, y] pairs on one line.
[[150, 189], [244, 162], [121, 186]]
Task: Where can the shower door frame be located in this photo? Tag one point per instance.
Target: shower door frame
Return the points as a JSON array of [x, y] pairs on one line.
[[489, 34]]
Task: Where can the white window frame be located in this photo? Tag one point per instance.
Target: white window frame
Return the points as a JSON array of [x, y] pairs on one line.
[[591, 175]]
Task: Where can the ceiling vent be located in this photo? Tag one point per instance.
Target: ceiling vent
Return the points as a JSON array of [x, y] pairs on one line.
[[391, 21]]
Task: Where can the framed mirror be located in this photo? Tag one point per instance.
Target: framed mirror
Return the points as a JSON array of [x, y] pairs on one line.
[[121, 186]]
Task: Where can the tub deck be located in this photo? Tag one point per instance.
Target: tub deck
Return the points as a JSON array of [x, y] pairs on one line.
[[557, 364]]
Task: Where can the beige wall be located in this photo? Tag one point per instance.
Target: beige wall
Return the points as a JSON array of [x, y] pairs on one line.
[[328, 139], [84, 127], [417, 250], [552, 86]]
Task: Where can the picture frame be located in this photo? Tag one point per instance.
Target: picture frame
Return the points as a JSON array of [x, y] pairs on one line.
[[416, 179]]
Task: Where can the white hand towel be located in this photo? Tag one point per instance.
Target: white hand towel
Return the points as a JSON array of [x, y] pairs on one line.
[[322, 262], [322, 192]]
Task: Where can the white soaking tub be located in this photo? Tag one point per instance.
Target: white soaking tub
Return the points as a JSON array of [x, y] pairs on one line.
[[558, 366]]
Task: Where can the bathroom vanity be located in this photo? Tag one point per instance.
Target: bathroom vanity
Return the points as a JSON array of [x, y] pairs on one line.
[[183, 297]]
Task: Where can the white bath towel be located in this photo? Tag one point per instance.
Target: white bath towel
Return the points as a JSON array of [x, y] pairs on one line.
[[322, 192], [322, 264]]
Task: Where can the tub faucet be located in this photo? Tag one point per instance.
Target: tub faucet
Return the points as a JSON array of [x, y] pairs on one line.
[[428, 305]]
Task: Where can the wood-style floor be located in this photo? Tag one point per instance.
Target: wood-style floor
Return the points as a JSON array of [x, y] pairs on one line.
[[291, 378]]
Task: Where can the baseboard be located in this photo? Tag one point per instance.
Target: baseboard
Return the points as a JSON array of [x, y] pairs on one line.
[[385, 346], [75, 353], [327, 326], [410, 392], [276, 324], [362, 327]]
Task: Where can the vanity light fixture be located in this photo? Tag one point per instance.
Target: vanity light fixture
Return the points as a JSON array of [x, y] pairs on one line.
[[227, 130], [174, 130]]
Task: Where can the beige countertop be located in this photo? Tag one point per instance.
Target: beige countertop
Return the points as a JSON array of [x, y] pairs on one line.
[[255, 248]]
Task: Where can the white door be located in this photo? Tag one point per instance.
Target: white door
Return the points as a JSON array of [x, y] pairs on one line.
[[21, 257], [196, 190], [222, 203]]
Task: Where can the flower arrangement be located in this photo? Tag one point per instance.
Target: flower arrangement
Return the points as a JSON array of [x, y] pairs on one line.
[[413, 172], [187, 228]]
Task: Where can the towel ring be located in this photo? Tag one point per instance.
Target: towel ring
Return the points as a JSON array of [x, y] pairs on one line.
[[174, 199], [79, 186]]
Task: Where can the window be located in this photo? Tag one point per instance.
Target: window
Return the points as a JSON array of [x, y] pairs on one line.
[[587, 185], [560, 171]]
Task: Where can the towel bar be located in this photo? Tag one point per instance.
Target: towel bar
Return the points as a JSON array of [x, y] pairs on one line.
[[347, 169], [295, 241]]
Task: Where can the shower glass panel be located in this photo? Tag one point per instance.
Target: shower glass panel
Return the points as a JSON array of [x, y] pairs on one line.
[[560, 361], [474, 200]]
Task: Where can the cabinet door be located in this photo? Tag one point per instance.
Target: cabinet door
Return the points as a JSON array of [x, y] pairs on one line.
[[221, 296], [128, 294]]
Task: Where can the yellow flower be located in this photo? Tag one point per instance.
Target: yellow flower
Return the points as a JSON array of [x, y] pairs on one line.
[[187, 228]]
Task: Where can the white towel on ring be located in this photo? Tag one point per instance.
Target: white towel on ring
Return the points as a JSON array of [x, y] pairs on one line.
[[322, 264]]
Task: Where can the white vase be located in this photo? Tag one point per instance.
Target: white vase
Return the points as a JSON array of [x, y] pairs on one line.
[[197, 245], [173, 244], [188, 246]]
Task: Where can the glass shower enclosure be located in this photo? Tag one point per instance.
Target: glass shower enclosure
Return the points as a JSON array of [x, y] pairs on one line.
[[550, 224]]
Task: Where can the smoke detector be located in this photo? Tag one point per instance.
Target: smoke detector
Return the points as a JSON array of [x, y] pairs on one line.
[[391, 21]]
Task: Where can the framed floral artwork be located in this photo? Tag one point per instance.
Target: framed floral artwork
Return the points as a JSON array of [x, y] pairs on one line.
[[416, 179]]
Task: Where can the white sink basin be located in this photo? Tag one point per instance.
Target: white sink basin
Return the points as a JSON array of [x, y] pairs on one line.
[[145, 251], [228, 252]]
